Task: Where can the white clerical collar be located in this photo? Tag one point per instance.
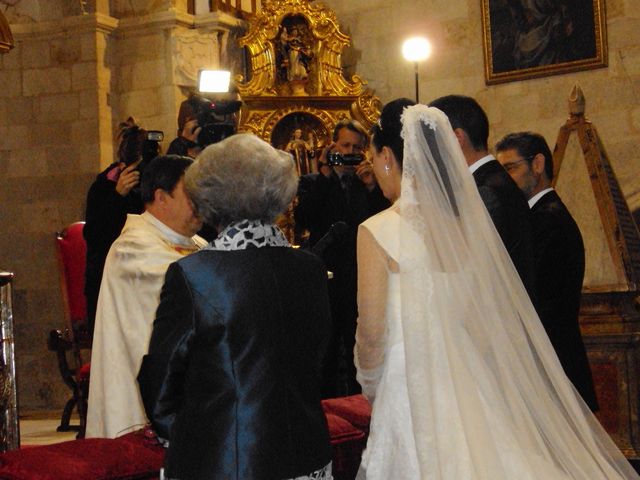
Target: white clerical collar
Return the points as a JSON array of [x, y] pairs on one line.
[[478, 163], [533, 200], [170, 234]]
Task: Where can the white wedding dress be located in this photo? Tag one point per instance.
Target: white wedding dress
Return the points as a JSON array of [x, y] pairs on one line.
[[390, 451], [464, 382]]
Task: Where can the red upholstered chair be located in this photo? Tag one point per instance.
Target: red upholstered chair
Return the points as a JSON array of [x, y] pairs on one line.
[[69, 343]]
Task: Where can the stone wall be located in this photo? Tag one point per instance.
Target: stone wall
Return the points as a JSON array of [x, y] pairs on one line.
[[50, 150], [454, 27], [63, 89]]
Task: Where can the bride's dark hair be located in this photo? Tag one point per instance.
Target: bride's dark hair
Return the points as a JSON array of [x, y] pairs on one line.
[[386, 133]]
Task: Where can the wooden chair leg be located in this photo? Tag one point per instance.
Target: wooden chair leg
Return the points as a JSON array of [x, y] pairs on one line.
[[66, 417], [82, 407]]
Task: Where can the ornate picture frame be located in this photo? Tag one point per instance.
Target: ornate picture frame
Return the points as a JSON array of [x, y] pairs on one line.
[[6, 38], [524, 40]]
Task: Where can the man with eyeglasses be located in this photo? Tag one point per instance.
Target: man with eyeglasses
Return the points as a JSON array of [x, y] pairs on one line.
[[502, 197], [559, 254]]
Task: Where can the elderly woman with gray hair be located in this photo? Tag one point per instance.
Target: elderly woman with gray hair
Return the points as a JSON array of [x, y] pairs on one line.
[[231, 379]]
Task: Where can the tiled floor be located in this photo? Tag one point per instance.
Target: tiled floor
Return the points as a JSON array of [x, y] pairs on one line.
[[39, 428]]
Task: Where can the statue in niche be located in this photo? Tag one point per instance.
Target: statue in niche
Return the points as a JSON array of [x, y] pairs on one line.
[[303, 151], [297, 54], [294, 54]]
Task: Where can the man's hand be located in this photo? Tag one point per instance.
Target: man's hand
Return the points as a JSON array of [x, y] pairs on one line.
[[364, 171], [323, 167], [129, 178], [191, 130]]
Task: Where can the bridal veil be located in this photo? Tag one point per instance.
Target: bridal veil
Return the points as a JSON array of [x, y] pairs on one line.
[[487, 394]]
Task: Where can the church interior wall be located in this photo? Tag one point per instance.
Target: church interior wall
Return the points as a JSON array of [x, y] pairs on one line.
[[64, 88], [72, 78], [454, 27]]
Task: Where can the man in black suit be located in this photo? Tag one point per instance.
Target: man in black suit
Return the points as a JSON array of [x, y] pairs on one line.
[[349, 194], [559, 254], [500, 194]]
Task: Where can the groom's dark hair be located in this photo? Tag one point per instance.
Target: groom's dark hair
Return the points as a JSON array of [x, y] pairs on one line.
[[467, 114], [386, 133]]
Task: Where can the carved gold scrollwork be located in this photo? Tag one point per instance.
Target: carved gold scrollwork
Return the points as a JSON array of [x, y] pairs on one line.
[[296, 80], [255, 123], [366, 109], [328, 42], [325, 117]]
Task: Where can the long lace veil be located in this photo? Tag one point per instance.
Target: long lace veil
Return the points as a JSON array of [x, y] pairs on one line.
[[488, 397]]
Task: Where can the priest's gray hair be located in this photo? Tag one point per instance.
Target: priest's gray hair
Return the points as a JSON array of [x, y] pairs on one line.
[[241, 178]]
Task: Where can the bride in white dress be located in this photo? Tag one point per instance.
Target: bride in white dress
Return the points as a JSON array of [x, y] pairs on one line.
[[464, 382]]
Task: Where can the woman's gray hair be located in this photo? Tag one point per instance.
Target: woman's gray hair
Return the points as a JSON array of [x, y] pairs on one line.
[[241, 177]]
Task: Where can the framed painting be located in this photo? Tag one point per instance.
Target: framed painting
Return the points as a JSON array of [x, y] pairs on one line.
[[6, 38], [534, 38]]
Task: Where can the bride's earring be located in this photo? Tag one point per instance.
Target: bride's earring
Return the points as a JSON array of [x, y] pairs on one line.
[[386, 169]]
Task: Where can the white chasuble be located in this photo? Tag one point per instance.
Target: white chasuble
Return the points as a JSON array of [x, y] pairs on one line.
[[129, 296]]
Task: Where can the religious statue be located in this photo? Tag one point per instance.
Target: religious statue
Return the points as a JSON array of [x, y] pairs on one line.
[[303, 151], [294, 52]]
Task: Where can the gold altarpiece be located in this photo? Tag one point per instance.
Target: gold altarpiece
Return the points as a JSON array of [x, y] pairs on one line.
[[295, 79], [609, 317]]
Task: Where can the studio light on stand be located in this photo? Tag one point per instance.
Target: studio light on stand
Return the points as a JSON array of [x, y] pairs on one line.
[[214, 81], [416, 50]]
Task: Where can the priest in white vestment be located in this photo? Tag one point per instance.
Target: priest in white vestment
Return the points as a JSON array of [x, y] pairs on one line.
[[130, 292]]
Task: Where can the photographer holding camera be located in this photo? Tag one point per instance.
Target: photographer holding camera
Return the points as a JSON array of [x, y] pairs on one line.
[[202, 122], [186, 143], [114, 194], [344, 190]]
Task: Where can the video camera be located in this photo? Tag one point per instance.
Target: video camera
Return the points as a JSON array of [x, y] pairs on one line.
[[216, 119], [335, 158]]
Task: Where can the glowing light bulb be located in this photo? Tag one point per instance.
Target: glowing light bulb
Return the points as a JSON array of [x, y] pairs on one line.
[[416, 49]]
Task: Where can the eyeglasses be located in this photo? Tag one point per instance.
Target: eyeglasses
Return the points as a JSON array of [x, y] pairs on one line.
[[513, 165]]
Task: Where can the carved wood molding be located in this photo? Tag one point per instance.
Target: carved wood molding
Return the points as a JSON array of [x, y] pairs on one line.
[[620, 230]]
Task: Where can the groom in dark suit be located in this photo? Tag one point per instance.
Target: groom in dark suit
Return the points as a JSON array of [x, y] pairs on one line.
[[500, 194], [559, 254]]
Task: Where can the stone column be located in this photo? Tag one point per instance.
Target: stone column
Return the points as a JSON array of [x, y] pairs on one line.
[[55, 133], [158, 57]]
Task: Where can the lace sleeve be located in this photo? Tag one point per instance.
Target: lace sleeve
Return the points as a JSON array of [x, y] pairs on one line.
[[372, 298]]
